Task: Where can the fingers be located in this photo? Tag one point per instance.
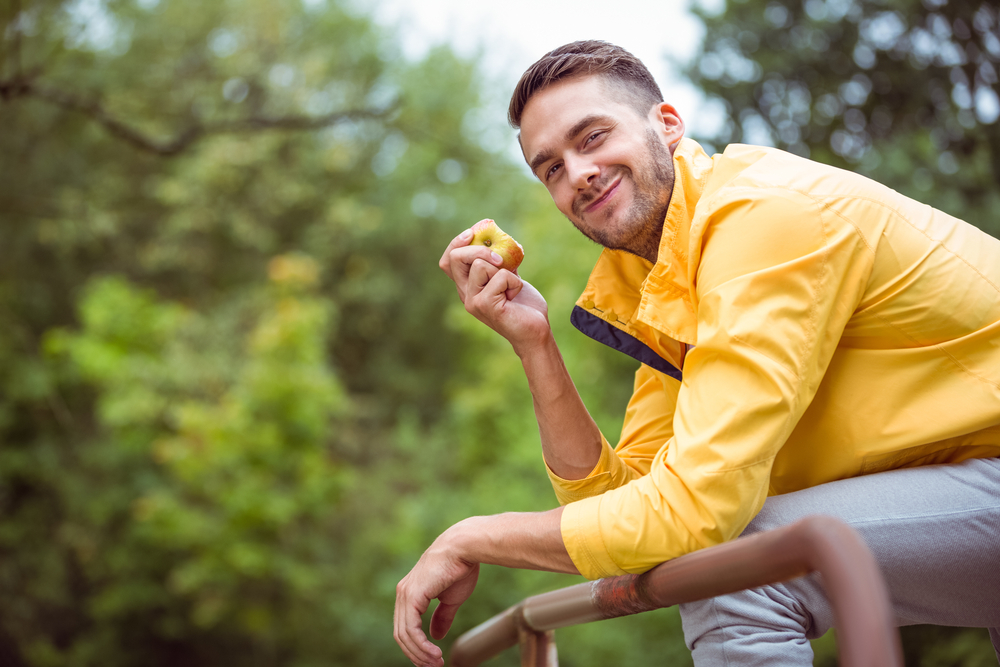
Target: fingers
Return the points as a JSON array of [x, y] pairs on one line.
[[438, 574], [490, 287], [462, 260], [408, 630], [442, 619], [451, 599], [459, 256], [480, 274], [511, 292], [457, 242]]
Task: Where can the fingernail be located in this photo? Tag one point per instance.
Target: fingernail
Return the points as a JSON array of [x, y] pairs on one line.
[[496, 258], [466, 234]]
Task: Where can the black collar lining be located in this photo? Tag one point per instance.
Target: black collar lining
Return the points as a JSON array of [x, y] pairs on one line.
[[594, 327]]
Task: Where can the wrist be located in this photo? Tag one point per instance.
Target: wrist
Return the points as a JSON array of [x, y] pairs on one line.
[[539, 346], [526, 540], [462, 539]]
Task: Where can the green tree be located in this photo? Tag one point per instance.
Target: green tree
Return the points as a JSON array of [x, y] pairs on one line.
[[218, 483], [904, 91]]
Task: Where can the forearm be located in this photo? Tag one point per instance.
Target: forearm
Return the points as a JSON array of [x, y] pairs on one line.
[[571, 440], [525, 540]]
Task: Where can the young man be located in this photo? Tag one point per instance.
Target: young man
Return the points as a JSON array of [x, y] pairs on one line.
[[796, 325]]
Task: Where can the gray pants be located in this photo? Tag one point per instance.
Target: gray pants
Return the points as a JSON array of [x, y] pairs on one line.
[[934, 531]]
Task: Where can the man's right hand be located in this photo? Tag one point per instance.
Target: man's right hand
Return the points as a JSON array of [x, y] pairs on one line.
[[571, 441], [500, 299]]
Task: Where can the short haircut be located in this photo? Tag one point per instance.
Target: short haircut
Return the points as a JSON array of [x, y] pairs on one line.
[[585, 58]]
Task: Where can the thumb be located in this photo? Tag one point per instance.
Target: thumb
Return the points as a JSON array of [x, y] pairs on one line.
[[442, 619], [451, 599], [514, 285]]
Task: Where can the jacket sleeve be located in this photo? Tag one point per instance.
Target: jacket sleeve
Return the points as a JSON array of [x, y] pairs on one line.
[[777, 281], [648, 427]]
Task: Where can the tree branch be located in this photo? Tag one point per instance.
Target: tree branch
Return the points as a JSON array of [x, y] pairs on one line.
[[23, 87]]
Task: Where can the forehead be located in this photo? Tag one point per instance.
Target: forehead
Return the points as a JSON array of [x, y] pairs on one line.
[[555, 109]]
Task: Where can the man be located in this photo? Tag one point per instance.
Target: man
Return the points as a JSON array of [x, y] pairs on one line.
[[796, 325]]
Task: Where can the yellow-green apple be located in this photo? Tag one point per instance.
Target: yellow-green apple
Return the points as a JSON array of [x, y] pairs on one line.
[[486, 232]]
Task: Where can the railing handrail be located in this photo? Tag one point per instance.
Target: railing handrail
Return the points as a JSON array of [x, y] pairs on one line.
[[862, 614]]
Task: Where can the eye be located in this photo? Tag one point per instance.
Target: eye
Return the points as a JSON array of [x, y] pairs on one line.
[[593, 137], [552, 170]]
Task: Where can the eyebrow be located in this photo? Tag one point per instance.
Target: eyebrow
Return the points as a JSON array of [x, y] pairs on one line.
[[571, 134]]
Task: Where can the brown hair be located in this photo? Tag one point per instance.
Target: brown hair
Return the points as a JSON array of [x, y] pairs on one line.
[[585, 58]]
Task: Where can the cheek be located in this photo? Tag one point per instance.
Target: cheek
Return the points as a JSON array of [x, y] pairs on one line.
[[563, 199]]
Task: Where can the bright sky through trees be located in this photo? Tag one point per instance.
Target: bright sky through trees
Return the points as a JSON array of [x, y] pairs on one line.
[[513, 34]]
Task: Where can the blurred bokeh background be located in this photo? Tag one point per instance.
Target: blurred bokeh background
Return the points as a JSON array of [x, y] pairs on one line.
[[238, 398]]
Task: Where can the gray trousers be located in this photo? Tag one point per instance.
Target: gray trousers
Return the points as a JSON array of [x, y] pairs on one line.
[[934, 531]]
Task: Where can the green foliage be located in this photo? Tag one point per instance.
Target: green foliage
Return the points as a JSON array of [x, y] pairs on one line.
[[904, 91], [236, 457], [237, 396], [934, 646]]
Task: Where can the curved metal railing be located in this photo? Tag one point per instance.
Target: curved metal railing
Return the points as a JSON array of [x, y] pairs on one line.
[[865, 630]]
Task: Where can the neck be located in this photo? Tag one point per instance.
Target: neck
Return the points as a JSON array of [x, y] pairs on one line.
[[647, 244], [648, 247]]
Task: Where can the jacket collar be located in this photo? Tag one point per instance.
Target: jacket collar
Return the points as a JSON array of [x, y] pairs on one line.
[[650, 301]]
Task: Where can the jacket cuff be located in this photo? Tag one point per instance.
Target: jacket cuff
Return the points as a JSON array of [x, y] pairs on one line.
[[581, 533], [597, 482]]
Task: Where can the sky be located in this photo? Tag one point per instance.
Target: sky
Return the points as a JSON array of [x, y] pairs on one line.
[[512, 34]]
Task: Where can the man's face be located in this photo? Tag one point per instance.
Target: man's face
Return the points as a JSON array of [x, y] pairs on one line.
[[608, 168]]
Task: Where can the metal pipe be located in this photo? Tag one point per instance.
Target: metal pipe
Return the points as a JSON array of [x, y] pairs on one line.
[[538, 649], [863, 616], [487, 639]]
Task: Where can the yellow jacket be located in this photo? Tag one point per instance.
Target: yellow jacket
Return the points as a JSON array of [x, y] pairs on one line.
[[826, 327]]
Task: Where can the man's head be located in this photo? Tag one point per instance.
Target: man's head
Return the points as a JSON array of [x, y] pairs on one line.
[[630, 79], [596, 133]]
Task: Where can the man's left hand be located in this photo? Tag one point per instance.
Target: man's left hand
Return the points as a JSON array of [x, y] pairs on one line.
[[449, 568], [438, 574]]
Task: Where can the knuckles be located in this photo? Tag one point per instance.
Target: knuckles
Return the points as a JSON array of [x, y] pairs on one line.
[[484, 271], [472, 307]]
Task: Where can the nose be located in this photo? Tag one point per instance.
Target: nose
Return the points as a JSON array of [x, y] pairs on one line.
[[581, 171]]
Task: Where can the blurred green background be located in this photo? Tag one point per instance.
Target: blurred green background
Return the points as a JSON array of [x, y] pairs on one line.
[[237, 396]]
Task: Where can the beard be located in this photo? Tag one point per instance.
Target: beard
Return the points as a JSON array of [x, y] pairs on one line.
[[640, 226]]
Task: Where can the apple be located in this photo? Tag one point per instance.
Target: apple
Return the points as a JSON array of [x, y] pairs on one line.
[[486, 232]]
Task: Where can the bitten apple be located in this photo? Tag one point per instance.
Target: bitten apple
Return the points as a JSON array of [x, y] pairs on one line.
[[486, 232]]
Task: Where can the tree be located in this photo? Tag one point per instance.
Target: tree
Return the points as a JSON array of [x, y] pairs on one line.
[[904, 91]]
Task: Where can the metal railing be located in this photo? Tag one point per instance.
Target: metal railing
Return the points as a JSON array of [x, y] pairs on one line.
[[865, 630]]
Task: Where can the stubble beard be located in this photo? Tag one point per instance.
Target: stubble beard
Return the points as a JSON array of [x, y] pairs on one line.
[[640, 227]]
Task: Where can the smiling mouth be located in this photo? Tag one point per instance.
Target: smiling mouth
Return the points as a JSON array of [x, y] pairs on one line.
[[605, 196]]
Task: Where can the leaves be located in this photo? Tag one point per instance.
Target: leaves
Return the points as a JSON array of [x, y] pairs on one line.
[[237, 396], [904, 91]]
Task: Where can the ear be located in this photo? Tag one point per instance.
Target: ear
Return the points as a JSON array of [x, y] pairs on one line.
[[668, 123]]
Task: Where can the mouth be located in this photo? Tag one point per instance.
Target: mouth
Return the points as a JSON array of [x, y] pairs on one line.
[[604, 197]]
